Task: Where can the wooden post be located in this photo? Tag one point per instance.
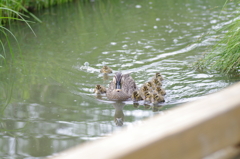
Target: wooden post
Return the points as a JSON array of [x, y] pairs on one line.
[[193, 130]]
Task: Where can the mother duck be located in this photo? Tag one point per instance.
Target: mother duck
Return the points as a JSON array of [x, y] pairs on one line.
[[121, 87]]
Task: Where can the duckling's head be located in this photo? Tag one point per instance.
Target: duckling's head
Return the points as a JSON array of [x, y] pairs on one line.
[[145, 88], [105, 67], [147, 95], [149, 84], [158, 75], [157, 82], [158, 89], [135, 93], [98, 89], [155, 96]]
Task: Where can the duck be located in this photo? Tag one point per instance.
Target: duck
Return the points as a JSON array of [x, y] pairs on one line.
[[105, 69], [160, 90], [121, 87], [156, 82], [157, 98], [150, 85], [144, 89], [136, 96], [99, 89], [158, 76], [147, 97]]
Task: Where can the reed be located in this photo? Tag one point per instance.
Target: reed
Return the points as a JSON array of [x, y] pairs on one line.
[[5, 32], [12, 10], [224, 56], [24, 6]]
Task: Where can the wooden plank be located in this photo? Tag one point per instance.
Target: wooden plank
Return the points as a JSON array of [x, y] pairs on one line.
[[229, 152], [193, 130]]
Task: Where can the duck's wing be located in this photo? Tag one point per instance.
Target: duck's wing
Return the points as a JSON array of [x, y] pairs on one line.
[[111, 87], [128, 84]]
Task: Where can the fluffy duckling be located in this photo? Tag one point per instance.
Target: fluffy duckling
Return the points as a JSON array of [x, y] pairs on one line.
[[156, 82], [158, 76], [150, 85], [106, 69], [160, 90], [144, 89], [100, 89], [147, 97], [157, 98], [136, 96]]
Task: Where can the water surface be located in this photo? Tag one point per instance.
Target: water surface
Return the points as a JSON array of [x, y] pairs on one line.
[[47, 100]]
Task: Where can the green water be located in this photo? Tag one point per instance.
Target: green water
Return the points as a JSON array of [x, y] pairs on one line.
[[47, 100]]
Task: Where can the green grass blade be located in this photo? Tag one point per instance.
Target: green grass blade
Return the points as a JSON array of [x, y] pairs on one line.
[[21, 17]]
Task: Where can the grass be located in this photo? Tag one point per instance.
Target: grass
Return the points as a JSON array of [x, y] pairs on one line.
[[224, 56], [18, 10], [6, 32]]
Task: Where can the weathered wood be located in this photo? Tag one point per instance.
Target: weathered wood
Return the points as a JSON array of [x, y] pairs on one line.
[[229, 152], [193, 130]]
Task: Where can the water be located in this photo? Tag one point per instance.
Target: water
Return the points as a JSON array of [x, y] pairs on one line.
[[47, 100]]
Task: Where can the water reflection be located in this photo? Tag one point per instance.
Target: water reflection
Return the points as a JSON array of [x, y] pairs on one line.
[[119, 110], [105, 77], [118, 115]]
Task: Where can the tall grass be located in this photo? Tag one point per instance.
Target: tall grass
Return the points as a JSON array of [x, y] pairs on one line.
[[4, 41], [12, 10], [224, 56], [25, 5]]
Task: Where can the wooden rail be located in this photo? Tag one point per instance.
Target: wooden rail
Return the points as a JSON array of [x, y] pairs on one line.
[[198, 129]]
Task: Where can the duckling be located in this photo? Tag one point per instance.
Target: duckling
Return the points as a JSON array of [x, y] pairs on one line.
[[106, 69], [147, 97], [157, 98], [150, 84], [160, 90], [136, 96], [144, 89], [99, 89], [158, 76], [156, 82]]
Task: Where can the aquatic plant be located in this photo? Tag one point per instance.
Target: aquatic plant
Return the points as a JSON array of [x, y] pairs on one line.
[[24, 6], [6, 32], [224, 56]]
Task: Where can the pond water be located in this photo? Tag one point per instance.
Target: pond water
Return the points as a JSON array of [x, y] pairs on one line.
[[47, 100]]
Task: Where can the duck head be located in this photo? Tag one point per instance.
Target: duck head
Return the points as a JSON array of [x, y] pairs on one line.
[[118, 80]]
